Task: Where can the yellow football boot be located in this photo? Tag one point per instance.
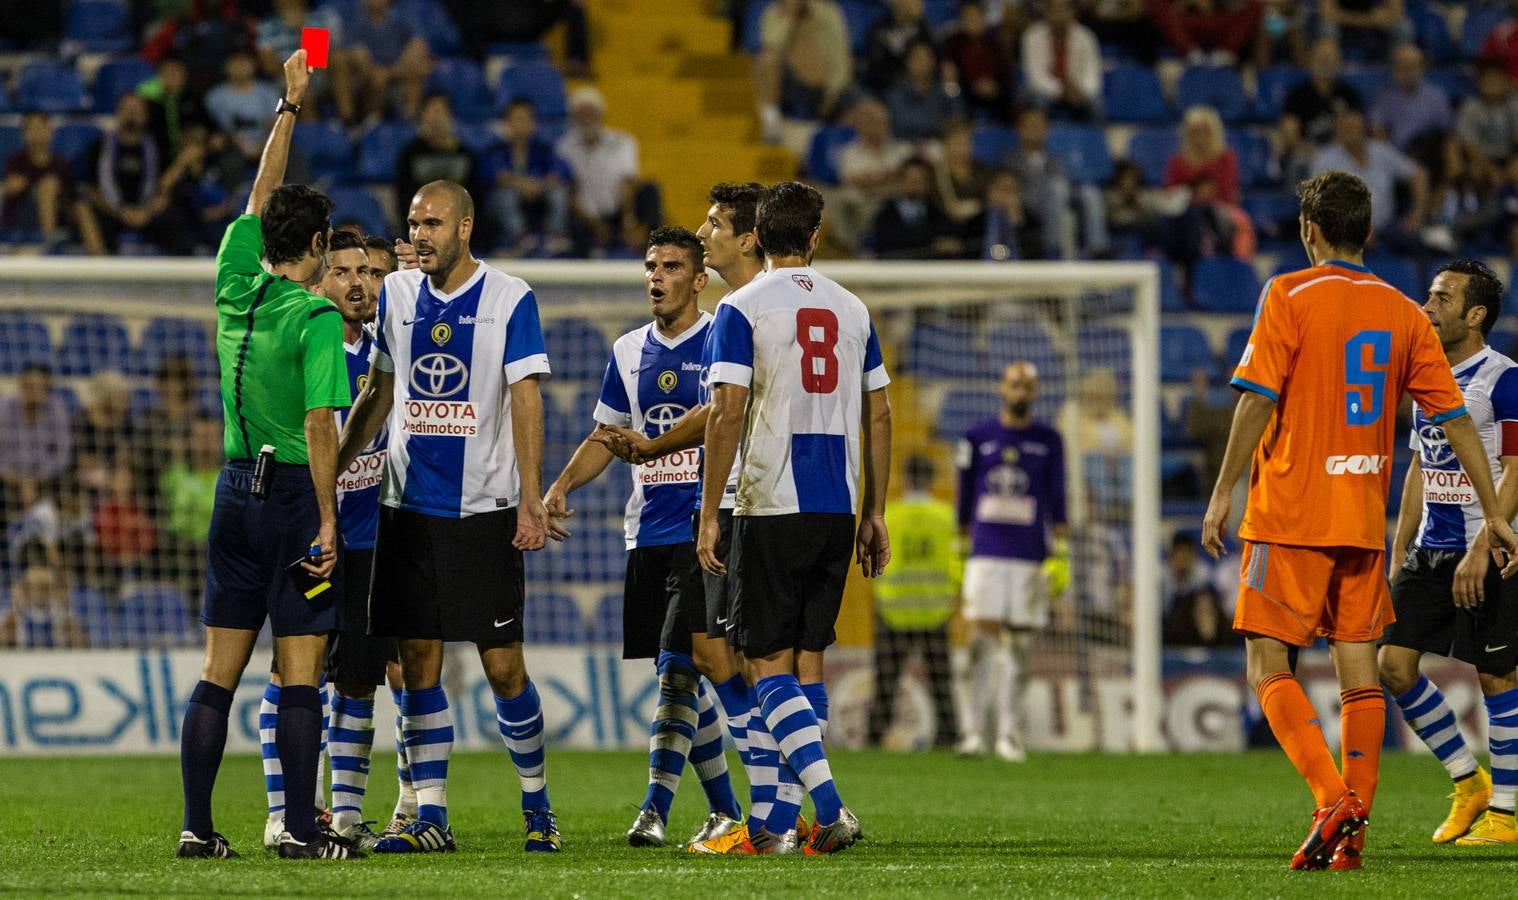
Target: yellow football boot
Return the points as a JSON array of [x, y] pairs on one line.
[[1471, 797], [733, 842], [1494, 828]]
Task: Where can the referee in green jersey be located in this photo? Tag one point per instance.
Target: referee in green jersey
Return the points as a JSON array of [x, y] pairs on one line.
[[272, 550]]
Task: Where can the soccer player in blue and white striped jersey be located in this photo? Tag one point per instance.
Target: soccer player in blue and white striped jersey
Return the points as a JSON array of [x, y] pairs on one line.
[[651, 382], [457, 359], [797, 377], [1448, 597]]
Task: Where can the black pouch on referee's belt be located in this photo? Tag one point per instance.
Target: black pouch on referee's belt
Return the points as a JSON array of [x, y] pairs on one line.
[[263, 472]]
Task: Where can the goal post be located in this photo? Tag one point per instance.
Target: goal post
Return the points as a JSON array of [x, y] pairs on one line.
[[946, 329]]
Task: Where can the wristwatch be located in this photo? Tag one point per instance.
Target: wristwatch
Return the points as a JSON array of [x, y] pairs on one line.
[[285, 106]]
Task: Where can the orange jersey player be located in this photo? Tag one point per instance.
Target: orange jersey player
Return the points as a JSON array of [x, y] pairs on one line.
[[1333, 350]]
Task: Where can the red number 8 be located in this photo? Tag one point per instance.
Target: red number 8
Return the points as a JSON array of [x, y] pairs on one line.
[[818, 379]]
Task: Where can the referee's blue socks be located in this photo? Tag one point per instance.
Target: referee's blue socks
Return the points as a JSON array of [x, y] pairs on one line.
[[521, 722], [671, 732], [794, 724], [203, 739], [428, 727], [299, 738]]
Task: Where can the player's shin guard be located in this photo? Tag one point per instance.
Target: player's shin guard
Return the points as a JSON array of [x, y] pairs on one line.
[[793, 723], [672, 731], [817, 695], [203, 740], [1429, 715], [709, 760], [521, 722], [350, 742], [1502, 715], [405, 802], [428, 727], [299, 737], [1362, 725], [1296, 726], [274, 776]]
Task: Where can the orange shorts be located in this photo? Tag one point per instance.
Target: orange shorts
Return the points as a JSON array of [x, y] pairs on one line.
[[1299, 594]]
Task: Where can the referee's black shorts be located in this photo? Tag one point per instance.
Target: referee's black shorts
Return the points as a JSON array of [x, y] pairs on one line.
[[786, 576], [355, 656], [251, 543], [1428, 621], [447, 579], [663, 601]]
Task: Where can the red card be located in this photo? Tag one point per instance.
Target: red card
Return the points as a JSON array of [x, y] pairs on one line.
[[315, 42]]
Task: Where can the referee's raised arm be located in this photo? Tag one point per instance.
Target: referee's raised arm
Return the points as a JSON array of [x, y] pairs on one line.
[[271, 167]]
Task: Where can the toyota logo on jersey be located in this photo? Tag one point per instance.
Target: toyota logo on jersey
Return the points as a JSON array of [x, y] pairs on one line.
[[1436, 448], [438, 375], [661, 418]]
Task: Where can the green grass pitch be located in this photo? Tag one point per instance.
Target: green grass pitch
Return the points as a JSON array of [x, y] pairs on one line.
[[1089, 826]]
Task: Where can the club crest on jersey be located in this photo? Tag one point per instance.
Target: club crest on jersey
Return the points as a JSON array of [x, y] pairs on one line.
[[804, 280], [441, 333], [439, 375], [1009, 455], [667, 380], [363, 381]]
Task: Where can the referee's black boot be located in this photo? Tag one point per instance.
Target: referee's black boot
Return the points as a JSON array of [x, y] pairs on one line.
[[324, 845]]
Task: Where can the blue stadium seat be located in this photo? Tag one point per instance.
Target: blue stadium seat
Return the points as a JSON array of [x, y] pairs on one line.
[[1503, 340], [357, 204], [1214, 86], [1225, 284], [1183, 350], [1083, 151], [94, 343], [50, 86], [1253, 152], [822, 153], [1400, 273], [1270, 210], [1022, 341], [1272, 84], [1151, 149], [434, 23], [861, 16], [154, 616], [606, 622], [23, 340], [93, 612], [115, 78], [939, 350], [165, 336], [1479, 21], [477, 136], [1132, 93], [1105, 347], [141, 401], [1431, 32], [463, 81], [577, 350], [992, 144], [328, 150], [1456, 82], [552, 619], [1368, 81], [10, 136], [380, 148], [961, 409], [595, 554], [539, 82], [752, 12], [1233, 348], [102, 26], [74, 141]]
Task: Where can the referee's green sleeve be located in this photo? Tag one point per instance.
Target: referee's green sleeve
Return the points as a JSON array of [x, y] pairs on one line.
[[242, 248], [322, 359]]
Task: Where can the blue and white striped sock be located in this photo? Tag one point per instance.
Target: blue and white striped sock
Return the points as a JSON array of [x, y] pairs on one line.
[[1502, 714], [405, 801], [350, 741], [521, 723], [817, 695], [793, 723], [1429, 715], [736, 709], [429, 741], [672, 730], [322, 753], [764, 765], [708, 758], [274, 775]]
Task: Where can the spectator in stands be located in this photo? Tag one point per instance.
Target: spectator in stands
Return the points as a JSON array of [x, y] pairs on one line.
[[1384, 169], [386, 52], [1194, 616], [1209, 414], [1283, 34], [910, 224], [1501, 43], [959, 179], [1216, 32], [1488, 123], [279, 36], [483, 22], [1204, 164], [39, 616], [1411, 108], [201, 201], [612, 201], [188, 489], [203, 33], [240, 105], [1307, 116], [125, 540], [1005, 228], [1463, 209], [919, 102], [867, 170], [172, 107], [980, 68], [436, 154], [125, 170], [1103, 431], [1125, 24], [162, 433], [103, 434], [1134, 210], [36, 437], [1062, 64], [1368, 29], [529, 194], [890, 39], [38, 190], [1049, 189], [804, 64]]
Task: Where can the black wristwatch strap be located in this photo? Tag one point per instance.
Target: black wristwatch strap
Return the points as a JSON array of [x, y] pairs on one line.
[[285, 106]]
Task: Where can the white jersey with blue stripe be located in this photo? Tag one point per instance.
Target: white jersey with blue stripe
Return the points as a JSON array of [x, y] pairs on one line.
[[358, 486], [651, 381], [1451, 512], [454, 357], [806, 349]]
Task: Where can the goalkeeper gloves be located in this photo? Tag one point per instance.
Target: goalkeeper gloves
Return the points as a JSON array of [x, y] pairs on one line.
[[1057, 569]]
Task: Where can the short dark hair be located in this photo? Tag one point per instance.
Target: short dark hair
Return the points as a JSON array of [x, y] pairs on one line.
[[788, 214], [521, 101], [434, 97], [920, 471], [378, 244], [345, 239], [741, 200], [1339, 204], [675, 236], [1483, 289], [294, 213]]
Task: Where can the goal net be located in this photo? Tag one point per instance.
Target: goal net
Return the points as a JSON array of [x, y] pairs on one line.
[[106, 505]]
